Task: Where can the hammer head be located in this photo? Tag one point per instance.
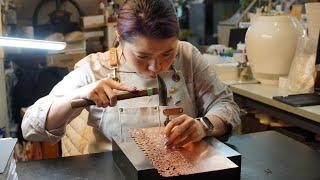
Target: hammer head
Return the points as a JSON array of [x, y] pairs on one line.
[[163, 96]]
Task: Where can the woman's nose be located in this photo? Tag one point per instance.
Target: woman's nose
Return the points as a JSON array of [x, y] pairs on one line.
[[154, 65]]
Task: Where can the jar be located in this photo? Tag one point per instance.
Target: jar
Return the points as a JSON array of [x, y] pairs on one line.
[[271, 43]]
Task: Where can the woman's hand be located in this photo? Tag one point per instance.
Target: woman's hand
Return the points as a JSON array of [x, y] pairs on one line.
[[101, 92], [183, 130]]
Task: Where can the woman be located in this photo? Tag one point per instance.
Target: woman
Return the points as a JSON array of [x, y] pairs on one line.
[[147, 34]]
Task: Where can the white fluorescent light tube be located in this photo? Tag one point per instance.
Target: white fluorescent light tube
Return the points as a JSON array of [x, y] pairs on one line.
[[32, 43]]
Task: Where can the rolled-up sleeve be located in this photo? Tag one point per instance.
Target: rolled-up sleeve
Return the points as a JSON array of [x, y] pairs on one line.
[[34, 120], [212, 96], [33, 124]]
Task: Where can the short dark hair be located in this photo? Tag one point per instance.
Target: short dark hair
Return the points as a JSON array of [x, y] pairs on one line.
[[151, 18]]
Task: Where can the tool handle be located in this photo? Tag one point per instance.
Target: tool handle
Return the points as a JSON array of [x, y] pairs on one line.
[[78, 103]]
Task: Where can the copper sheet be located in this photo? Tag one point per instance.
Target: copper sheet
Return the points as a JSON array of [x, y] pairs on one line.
[[191, 159]]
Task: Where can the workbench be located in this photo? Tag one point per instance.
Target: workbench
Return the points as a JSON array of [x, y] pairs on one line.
[[265, 155], [259, 96]]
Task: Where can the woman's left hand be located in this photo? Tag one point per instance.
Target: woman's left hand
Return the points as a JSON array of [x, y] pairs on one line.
[[183, 130]]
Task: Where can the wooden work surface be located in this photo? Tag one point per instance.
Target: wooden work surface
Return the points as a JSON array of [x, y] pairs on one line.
[[265, 155], [264, 93]]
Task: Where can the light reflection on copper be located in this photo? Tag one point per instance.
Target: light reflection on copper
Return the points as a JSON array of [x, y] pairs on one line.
[[189, 159]]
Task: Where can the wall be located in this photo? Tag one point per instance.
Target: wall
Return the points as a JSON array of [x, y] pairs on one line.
[[3, 95], [3, 99]]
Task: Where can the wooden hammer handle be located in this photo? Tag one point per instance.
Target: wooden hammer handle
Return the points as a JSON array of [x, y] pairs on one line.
[[78, 103]]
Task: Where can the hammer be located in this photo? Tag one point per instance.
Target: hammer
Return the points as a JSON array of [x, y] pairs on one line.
[[161, 91]]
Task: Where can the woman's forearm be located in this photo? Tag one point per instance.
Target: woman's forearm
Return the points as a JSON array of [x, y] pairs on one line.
[[61, 113], [219, 126]]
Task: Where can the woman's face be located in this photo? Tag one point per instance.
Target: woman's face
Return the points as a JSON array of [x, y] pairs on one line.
[[150, 56]]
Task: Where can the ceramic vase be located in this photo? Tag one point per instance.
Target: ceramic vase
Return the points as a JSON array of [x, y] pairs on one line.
[[271, 43]]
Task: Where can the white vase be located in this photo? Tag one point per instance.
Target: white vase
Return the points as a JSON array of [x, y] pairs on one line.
[[271, 43]]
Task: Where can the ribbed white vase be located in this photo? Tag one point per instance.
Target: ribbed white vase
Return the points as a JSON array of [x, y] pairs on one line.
[[313, 21], [271, 43]]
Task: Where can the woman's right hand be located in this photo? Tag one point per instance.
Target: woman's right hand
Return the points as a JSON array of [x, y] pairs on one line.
[[101, 92]]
